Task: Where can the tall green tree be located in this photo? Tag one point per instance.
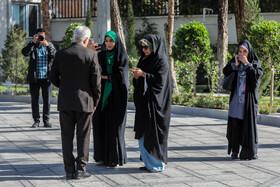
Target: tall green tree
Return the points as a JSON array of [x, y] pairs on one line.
[[13, 62], [253, 17], [130, 30], [265, 39], [192, 47]]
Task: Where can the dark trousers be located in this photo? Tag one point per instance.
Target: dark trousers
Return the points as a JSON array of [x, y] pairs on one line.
[[45, 85], [236, 134], [68, 121]]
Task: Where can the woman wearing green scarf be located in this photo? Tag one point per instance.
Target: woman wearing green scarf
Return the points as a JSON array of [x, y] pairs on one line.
[[109, 120]]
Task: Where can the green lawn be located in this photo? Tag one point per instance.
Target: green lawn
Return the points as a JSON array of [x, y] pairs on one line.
[[21, 90]]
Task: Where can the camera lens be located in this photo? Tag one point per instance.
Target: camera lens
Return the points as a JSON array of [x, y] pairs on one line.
[[41, 38]]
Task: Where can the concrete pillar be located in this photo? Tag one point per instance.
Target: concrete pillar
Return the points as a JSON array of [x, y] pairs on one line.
[[103, 19]]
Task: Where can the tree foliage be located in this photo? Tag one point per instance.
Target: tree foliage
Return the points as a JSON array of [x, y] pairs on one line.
[[212, 70], [265, 39], [184, 75], [191, 48], [69, 33], [130, 30], [252, 17], [13, 62]]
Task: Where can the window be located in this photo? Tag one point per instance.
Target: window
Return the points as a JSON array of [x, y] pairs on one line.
[[26, 16]]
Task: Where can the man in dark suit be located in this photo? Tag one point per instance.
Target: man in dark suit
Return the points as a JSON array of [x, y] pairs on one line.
[[41, 54], [78, 77]]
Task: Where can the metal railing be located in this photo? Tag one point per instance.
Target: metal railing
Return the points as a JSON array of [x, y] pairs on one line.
[[78, 8], [73, 8]]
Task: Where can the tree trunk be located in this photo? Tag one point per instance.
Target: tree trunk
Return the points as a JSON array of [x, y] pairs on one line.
[[194, 77], [222, 38], [169, 29], [240, 15], [271, 89], [116, 21], [46, 19], [16, 65]]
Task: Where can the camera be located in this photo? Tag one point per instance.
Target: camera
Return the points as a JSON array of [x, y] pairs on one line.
[[41, 38]]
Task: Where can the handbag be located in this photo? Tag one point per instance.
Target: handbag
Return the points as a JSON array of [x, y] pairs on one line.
[[227, 82]]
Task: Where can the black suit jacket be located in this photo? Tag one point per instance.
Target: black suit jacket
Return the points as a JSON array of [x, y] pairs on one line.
[[78, 77]]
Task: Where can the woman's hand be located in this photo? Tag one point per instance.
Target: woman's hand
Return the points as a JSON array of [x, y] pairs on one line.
[[137, 72], [104, 77], [243, 59], [140, 73], [236, 61], [134, 73]]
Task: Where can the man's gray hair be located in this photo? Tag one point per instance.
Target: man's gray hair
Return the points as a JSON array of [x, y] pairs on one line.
[[81, 33]]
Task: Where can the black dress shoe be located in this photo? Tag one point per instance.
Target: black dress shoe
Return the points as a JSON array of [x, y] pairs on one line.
[[143, 168], [47, 124], [113, 165], [35, 124], [70, 176], [82, 174], [234, 155]]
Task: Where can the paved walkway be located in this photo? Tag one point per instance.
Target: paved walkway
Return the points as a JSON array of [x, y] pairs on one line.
[[197, 155]]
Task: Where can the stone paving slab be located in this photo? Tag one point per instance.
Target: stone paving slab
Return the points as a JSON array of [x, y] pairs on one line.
[[197, 155]]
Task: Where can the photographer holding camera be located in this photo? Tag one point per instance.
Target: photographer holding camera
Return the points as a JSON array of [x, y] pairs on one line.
[[41, 54]]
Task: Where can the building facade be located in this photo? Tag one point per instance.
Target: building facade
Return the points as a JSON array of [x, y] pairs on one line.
[[25, 13]]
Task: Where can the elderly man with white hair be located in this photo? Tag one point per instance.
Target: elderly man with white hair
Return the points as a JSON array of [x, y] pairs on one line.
[[78, 77]]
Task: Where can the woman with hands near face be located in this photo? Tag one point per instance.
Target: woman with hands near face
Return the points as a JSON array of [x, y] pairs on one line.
[[243, 106]]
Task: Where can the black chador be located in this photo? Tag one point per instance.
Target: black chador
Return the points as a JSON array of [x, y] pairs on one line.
[[109, 120], [153, 101]]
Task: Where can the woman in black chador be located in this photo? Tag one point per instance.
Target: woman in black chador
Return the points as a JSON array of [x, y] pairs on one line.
[[243, 106], [109, 120], [152, 99]]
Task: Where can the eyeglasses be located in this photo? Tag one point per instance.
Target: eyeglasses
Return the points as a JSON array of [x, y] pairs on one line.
[[145, 47]]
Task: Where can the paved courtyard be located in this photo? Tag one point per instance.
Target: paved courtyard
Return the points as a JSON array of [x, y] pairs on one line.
[[197, 155]]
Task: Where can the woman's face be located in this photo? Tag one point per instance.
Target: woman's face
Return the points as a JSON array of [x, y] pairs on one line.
[[109, 42], [243, 51], [146, 50]]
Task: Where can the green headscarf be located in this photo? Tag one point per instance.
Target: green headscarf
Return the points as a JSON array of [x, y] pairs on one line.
[[112, 35], [110, 61]]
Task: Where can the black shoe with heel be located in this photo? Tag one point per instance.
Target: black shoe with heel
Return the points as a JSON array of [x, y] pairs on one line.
[[234, 155], [70, 176]]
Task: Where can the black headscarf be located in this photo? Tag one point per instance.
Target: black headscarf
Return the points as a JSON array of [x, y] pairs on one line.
[[153, 107]]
